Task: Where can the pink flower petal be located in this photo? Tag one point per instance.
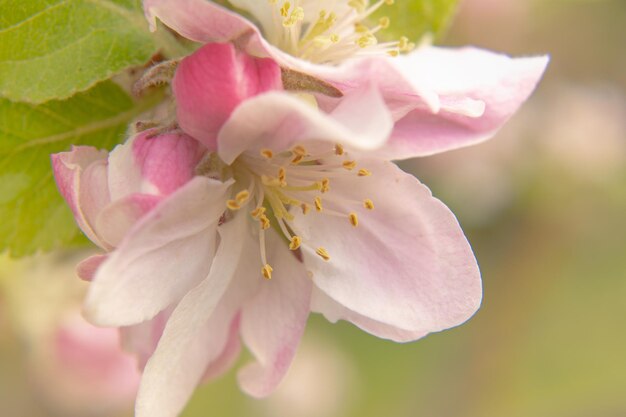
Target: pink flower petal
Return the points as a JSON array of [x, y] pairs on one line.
[[273, 322], [198, 330], [333, 312], [125, 173], [141, 339], [204, 21], [198, 20], [93, 191], [81, 178], [210, 84], [477, 90], [407, 264], [156, 165], [401, 92], [278, 120], [168, 252], [229, 355], [87, 268], [117, 219], [166, 161], [442, 98]]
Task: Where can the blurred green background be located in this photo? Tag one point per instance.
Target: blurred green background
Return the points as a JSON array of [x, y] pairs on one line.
[[544, 206]]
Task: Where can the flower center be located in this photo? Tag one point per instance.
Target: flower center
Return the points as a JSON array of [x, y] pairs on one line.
[[332, 34], [271, 186]]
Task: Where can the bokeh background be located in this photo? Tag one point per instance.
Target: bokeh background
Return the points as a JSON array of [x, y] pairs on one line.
[[544, 206]]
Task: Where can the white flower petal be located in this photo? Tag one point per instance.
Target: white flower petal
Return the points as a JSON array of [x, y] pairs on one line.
[[197, 331], [273, 322], [161, 258], [277, 120], [333, 312], [407, 264]]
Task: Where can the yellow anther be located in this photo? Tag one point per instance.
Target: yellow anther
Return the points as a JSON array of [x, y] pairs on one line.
[[267, 271], [349, 165], [295, 243], [405, 45], [334, 38], [284, 11], [367, 40], [299, 150], [323, 253], [266, 153], [364, 172], [354, 220], [242, 196], [361, 28], [305, 208], [325, 185], [393, 53], [339, 150], [368, 204], [233, 205], [297, 159], [296, 15], [265, 222], [318, 204], [257, 212], [384, 22], [282, 176]]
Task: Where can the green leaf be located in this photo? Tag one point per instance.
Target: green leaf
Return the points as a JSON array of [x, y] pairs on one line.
[[51, 49], [416, 18], [34, 216]]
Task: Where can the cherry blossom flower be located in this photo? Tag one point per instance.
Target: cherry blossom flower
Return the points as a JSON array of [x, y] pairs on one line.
[[264, 209], [108, 194], [439, 98]]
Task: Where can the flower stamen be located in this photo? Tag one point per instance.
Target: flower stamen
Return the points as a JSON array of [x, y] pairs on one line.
[[295, 242], [297, 159], [282, 177], [335, 35], [280, 190], [267, 153], [349, 165], [233, 205], [323, 253], [242, 197], [318, 204], [258, 212], [267, 271], [325, 185]]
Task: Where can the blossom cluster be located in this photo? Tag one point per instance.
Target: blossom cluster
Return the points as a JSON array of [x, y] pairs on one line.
[[273, 196]]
